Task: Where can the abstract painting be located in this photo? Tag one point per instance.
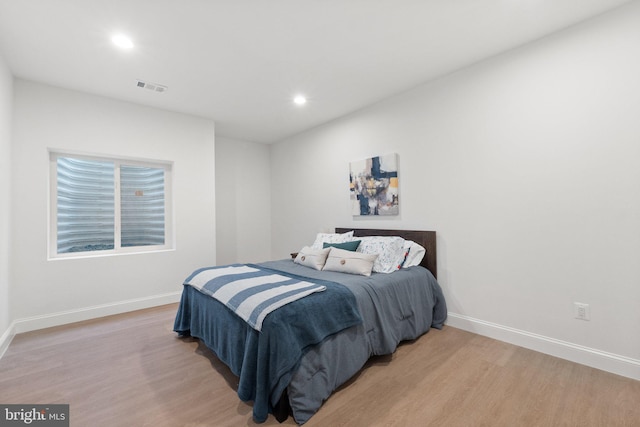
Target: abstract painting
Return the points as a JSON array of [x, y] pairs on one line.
[[373, 185]]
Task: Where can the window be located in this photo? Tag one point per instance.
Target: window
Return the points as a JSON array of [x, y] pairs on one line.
[[104, 206]]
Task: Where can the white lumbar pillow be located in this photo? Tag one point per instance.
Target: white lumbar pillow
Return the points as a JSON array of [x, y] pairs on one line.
[[314, 258], [350, 262]]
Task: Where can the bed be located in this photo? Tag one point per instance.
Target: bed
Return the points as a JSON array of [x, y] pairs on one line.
[[294, 361]]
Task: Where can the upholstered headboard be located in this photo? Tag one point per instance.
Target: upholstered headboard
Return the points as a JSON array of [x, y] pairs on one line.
[[427, 239]]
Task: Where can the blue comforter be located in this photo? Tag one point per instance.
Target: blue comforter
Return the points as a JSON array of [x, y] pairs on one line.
[[266, 360], [394, 307]]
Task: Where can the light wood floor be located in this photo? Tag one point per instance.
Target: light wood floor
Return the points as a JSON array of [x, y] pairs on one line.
[[132, 370]]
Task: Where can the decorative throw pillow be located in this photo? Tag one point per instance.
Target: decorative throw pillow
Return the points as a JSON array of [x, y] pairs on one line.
[[331, 238], [415, 253], [350, 262], [314, 258], [390, 251], [347, 246]]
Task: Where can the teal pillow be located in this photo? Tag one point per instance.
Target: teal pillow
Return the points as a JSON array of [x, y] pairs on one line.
[[347, 246]]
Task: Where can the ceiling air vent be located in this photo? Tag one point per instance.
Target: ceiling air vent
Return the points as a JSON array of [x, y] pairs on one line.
[[155, 87]]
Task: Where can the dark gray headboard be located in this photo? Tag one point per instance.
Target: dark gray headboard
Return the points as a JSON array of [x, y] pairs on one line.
[[427, 239]]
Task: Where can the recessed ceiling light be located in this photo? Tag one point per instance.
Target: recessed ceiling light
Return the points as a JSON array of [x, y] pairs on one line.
[[299, 100], [122, 41]]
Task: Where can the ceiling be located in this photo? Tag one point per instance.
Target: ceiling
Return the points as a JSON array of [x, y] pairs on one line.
[[240, 62]]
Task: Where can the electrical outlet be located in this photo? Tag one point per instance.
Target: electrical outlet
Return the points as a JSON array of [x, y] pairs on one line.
[[581, 311]]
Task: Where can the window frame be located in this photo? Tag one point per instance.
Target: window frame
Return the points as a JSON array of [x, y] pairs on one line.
[[169, 240]]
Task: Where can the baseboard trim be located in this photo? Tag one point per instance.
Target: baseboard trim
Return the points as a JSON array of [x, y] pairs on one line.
[[6, 338], [86, 313], [614, 363]]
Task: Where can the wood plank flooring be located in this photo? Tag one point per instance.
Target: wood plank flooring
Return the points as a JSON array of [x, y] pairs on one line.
[[132, 370]]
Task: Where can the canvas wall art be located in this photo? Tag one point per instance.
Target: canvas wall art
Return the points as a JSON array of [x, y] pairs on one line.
[[374, 185]]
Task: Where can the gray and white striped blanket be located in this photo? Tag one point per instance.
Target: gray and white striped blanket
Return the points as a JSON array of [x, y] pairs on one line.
[[251, 292]]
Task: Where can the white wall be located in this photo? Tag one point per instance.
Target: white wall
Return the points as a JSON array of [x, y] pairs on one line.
[[6, 108], [243, 201], [528, 167], [45, 292]]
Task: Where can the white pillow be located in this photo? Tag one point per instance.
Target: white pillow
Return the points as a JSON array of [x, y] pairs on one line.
[[390, 251], [331, 238], [415, 253], [314, 258], [350, 262]]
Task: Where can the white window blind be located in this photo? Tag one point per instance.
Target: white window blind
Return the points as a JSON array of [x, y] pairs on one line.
[[108, 205]]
